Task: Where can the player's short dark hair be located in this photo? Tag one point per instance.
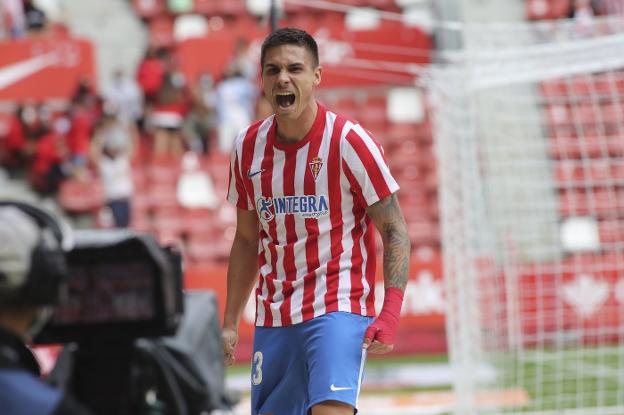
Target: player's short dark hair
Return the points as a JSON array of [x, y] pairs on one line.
[[290, 36]]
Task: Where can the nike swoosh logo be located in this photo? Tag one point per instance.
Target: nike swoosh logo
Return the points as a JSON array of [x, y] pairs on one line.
[[338, 388], [15, 72], [250, 174]]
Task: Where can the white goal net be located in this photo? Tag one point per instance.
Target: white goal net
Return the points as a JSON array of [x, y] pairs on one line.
[[529, 128]]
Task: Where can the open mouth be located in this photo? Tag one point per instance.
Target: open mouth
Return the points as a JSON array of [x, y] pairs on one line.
[[285, 100]]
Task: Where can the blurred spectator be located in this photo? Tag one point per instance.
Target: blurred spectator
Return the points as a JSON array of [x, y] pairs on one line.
[[36, 20], [53, 10], [583, 13], [235, 102], [150, 75], [82, 121], [112, 150], [200, 122], [125, 95], [610, 7], [169, 111], [85, 93], [241, 62], [19, 141], [12, 19], [48, 167]]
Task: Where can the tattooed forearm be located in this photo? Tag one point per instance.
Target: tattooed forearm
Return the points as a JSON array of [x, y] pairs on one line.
[[388, 218]]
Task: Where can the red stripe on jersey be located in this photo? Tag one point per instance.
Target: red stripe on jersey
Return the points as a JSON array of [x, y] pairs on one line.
[[290, 268], [266, 178], [335, 212], [368, 160], [249, 142], [240, 188], [262, 262], [312, 229], [357, 287]]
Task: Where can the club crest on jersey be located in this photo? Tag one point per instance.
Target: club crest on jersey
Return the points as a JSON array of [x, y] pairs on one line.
[[315, 166], [263, 206], [308, 207]]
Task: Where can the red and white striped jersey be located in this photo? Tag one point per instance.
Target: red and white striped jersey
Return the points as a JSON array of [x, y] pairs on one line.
[[317, 246]]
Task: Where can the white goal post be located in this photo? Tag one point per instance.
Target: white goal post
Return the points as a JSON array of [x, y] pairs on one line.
[[529, 131]]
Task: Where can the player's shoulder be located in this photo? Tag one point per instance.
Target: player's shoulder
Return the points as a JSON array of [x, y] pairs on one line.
[[251, 131], [343, 122], [352, 129]]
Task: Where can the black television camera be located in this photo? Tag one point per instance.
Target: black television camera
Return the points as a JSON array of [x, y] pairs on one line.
[[120, 286], [120, 315]]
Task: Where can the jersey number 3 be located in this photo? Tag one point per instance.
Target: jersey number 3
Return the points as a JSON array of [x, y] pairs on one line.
[[256, 378]]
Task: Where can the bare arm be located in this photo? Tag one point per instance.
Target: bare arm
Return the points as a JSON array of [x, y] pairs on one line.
[[242, 266], [388, 219], [241, 277]]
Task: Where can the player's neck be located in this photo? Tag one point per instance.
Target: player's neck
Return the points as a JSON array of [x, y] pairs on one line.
[[294, 130]]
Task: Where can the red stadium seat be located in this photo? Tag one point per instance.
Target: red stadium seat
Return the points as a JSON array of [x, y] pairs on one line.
[[140, 200], [573, 202], [611, 231], [568, 171], [77, 196], [432, 181], [148, 9], [347, 106], [552, 9], [200, 222], [615, 145], [554, 89], [600, 171], [350, 2], [424, 233], [166, 175], [565, 148], [373, 115], [582, 85], [163, 197], [139, 178], [169, 222], [208, 248], [232, 7], [557, 115], [140, 221], [607, 202], [161, 32], [206, 7], [617, 171]]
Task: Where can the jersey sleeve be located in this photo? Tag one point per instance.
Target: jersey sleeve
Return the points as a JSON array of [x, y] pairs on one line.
[[363, 157], [237, 192]]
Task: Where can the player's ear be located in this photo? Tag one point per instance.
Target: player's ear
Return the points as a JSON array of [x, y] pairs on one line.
[[318, 71]]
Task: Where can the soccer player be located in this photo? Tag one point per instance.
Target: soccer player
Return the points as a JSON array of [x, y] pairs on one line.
[[309, 184]]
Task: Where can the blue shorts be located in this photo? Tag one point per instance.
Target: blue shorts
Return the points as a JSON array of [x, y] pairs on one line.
[[299, 366]]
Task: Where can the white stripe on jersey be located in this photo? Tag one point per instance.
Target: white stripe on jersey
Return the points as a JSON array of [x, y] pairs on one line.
[[344, 277], [301, 263], [259, 147], [279, 159], [324, 226]]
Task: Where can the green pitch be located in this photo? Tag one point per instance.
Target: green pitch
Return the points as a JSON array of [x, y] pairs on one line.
[[570, 378]]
